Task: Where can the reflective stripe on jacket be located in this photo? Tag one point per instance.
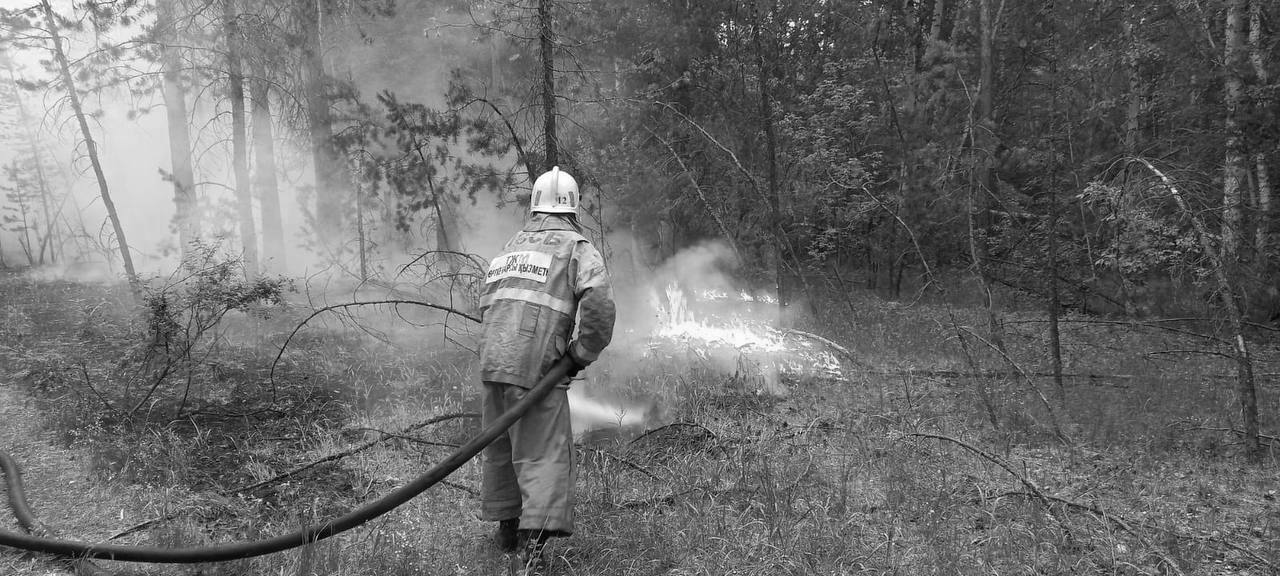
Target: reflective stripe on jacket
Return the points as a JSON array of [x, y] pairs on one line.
[[546, 275]]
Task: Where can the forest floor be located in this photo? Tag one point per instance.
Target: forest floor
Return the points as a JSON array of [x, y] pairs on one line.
[[931, 455]]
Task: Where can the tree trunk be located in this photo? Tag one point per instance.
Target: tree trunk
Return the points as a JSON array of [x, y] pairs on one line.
[[1134, 109], [46, 206], [361, 242], [711, 210], [327, 165], [47, 239], [984, 141], [782, 248], [1265, 218], [771, 159], [1234, 172], [546, 39], [264, 178], [1055, 299], [239, 140], [1229, 296], [935, 26], [91, 148], [1125, 206], [495, 64], [443, 241], [19, 197], [186, 217]]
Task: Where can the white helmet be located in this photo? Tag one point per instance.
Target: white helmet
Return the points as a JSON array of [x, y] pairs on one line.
[[554, 192]]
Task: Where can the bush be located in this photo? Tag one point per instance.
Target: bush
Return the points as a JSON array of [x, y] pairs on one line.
[[184, 312]]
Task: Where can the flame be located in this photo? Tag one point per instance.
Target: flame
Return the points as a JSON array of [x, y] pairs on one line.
[[729, 321], [735, 334], [678, 321]]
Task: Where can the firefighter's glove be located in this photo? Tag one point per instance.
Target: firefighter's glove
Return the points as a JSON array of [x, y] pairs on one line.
[[575, 365]]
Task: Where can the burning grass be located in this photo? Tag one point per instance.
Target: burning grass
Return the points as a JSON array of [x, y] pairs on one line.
[[919, 456]]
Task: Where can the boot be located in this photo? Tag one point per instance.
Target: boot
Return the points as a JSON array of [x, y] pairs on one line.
[[506, 537], [528, 560]]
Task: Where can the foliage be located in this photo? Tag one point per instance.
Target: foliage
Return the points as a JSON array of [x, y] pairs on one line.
[[184, 313], [663, 115], [1146, 240], [21, 213], [207, 286]]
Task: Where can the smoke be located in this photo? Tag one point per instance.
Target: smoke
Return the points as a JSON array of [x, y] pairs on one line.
[[591, 413], [412, 55], [642, 292], [394, 55], [621, 389]]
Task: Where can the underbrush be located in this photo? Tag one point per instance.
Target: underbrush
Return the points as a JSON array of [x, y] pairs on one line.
[[864, 490], [939, 452]]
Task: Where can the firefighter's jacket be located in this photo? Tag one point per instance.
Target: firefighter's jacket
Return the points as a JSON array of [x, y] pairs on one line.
[[547, 276]]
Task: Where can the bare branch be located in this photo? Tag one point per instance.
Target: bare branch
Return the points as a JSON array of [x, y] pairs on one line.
[[304, 322]]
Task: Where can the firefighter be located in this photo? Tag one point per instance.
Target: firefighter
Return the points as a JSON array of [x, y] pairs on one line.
[[548, 281]]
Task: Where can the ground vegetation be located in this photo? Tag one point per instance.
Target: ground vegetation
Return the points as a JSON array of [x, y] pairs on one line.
[[1040, 237]]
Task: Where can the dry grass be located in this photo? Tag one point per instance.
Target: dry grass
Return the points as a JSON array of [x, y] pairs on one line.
[[827, 480]]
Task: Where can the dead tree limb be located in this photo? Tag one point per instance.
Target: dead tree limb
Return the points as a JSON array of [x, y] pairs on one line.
[[521, 155], [1053, 416], [829, 344], [958, 374], [386, 436], [775, 228], [707, 431], [345, 453], [1152, 324], [1048, 500], [1223, 541], [407, 438], [1241, 433], [1128, 528], [272, 375], [698, 188], [1035, 490], [1229, 295], [621, 460]]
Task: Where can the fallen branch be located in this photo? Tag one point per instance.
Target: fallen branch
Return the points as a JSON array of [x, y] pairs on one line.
[[387, 436], [1223, 541], [671, 498], [1266, 437], [1127, 527], [456, 486], [829, 344], [414, 439], [88, 383], [994, 374], [142, 526], [343, 454], [697, 188], [272, 375], [1046, 500], [1035, 490], [708, 431], [1053, 416], [1152, 324], [1188, 352], [621, 460]]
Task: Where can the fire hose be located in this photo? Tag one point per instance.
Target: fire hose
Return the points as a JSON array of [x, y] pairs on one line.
[[302, 537]]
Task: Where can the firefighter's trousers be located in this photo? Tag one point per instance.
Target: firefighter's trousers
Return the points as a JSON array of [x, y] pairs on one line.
[[529, 471]]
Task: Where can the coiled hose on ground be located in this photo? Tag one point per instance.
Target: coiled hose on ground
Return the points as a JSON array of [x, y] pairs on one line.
[[238, 550]]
